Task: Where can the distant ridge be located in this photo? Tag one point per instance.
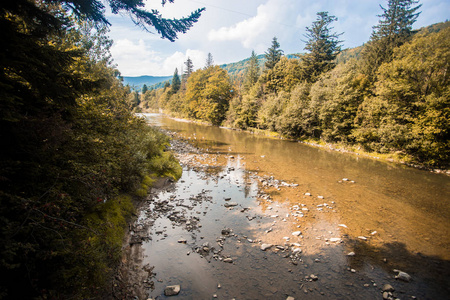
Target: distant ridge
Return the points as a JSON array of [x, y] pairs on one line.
[[137, 82]]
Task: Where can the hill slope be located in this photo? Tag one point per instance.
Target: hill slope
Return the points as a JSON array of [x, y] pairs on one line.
[[138, 82]]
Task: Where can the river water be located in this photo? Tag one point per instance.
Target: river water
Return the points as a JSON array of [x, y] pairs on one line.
[[340, 225]]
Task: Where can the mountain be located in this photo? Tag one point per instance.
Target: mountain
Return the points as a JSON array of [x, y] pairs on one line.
[[138, 82], [238, 68]]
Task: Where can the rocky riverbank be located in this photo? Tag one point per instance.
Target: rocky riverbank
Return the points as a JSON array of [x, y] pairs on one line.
[[226, 226]]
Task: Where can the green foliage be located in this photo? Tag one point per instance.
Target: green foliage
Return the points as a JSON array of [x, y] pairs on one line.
[[413, 89], [73, 148], [208, 94], [323, 47], [394, 29], [273, 54], [284, 76], [176, 82], [251, 72]]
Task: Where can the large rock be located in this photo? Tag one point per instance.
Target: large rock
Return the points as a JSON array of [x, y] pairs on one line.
[[172, 290], [402, 276]]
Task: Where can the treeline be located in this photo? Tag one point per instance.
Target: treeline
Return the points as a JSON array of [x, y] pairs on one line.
[[73, 156], [392, 97]]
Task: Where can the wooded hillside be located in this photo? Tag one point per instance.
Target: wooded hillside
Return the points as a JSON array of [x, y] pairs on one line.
[[389, 96]]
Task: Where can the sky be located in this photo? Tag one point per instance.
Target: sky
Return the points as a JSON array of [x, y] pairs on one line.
[[231, 29]]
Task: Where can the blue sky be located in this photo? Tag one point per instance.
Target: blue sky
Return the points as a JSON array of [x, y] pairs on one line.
[[231, 29]]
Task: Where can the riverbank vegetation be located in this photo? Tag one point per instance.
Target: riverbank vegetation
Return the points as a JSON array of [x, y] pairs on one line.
[[390, 96], [73, 156]]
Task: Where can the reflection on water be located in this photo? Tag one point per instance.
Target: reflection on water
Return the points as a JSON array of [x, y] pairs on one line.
[[391, 216]]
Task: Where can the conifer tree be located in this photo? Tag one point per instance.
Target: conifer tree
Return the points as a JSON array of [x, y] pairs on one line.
[[209, 61], [393, 30], [252, 72], [273, 54], [176, 82], [323, 46], [144, 89], [189, 68]]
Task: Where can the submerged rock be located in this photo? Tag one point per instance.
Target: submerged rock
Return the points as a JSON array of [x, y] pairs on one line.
[[172, 290], [230, 204]]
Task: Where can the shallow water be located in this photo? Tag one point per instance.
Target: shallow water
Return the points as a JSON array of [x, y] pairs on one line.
[[391, 216]]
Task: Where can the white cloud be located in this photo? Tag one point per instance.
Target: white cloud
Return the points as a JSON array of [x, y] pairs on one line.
[[135, 58], [250, 31]]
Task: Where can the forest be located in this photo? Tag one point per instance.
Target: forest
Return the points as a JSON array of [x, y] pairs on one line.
[[389, 97], [74, 158]]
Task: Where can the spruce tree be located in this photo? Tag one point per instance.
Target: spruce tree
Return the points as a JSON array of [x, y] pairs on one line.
[[176, 82], [251, 72], [273, 54], [393, 30], [209, 61], [189, 68], [323, 46]]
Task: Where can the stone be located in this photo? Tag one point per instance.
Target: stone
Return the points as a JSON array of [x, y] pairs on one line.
[[172, 290], [313, 277], [334, 240], [226, 231], [402, 276], [182, 241], [388, 288], [297, 233], [290, 298], [230, 204], [385, 296], [264, 247], [307, 194], [228, 260], [351, 254], [362, 238]]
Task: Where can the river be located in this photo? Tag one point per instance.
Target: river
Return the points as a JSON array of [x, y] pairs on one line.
[[337, 225]]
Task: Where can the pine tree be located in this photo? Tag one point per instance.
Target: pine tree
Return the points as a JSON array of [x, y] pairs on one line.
[[176, 82], [209, 61], [189, 68], [393, 30], [144, 89], [273, 54], [323, 47], [252, 72]]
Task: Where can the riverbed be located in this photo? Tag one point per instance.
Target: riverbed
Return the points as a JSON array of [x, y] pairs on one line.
[[260, 218]]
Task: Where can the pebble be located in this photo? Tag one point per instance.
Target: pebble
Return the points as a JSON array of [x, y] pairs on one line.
[[297, 233], [307, 194], [182, 241], [290, 298], [351, 254], [228, 260], [230, 204], [335, 240], [313, 277], [264, 247]]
